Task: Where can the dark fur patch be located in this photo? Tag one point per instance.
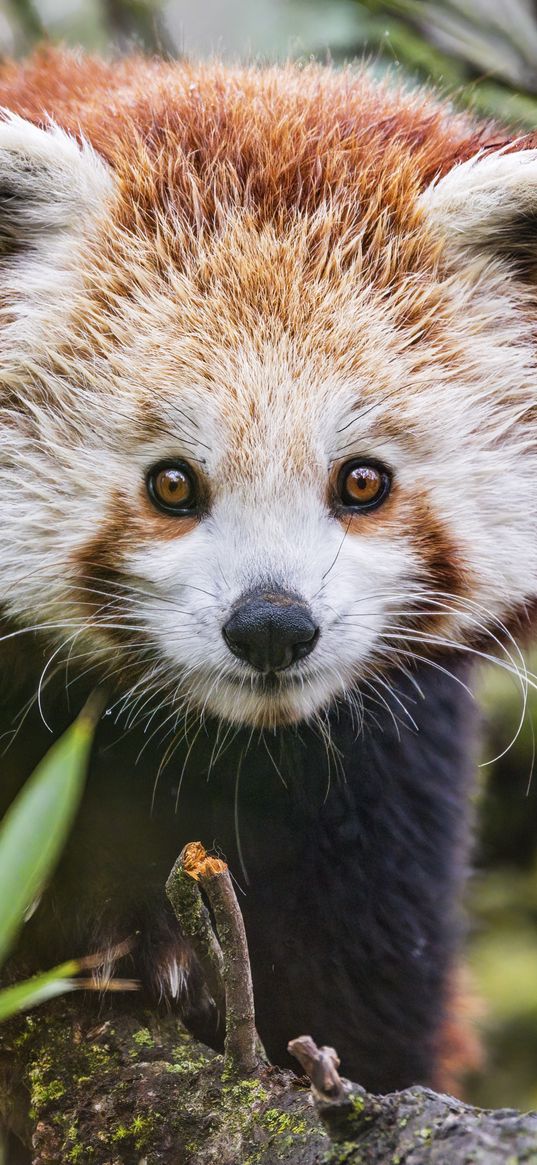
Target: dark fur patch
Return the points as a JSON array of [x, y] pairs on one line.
[[516, 241], [349, 905]]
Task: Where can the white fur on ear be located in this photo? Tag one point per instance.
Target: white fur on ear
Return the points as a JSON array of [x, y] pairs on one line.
[[53, 192], [47, 181], [486, 203]]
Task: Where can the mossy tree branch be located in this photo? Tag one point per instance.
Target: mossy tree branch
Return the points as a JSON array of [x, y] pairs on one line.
[[132, 1089], [124, 1088]]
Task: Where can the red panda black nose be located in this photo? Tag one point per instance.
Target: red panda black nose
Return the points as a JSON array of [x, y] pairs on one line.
[[271, 630]]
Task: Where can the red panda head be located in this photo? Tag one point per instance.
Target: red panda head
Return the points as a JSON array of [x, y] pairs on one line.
[[267, 373]]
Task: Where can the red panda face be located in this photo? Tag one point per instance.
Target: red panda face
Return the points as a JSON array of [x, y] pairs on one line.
[[250, 471]]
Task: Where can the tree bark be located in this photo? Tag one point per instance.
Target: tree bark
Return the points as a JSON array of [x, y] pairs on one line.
[[121, 1091]]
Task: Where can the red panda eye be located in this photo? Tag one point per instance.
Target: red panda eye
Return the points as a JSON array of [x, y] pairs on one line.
[[172, 487], [363, 485]]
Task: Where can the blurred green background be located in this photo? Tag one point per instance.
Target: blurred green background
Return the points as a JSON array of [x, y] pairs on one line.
[[483, 54]]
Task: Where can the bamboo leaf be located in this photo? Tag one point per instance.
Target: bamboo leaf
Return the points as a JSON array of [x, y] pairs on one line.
[[38, 989], [37, 824]]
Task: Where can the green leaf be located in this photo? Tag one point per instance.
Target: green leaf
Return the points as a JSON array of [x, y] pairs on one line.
[[37, 824], [38, 989]]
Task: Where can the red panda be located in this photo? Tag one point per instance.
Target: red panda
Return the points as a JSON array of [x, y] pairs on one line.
[[267, 470]]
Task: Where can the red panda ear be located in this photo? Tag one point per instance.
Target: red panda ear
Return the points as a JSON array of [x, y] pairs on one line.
[[488, 206], [49, 184], [52, 193]]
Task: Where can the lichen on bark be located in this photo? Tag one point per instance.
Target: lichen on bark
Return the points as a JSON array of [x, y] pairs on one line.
[[129, 1089], [134, 1089]]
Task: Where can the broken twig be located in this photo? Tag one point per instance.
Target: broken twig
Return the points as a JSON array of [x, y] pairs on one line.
[[340, 1104], [242, 1048], [184, 894], [321, 1065]]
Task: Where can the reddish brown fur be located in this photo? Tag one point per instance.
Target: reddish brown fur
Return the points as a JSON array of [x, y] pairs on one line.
[[122, 529], [460, 1048], [443, 566], [199, 139]]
